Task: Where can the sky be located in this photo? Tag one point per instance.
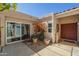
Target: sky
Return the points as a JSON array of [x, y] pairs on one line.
[[42, 9]]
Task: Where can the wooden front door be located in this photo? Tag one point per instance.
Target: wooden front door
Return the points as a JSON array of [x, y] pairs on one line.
[[69, 31]]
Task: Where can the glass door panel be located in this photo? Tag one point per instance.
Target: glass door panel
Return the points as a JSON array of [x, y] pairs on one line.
[[25, 31], [17, 32], [10, 31]]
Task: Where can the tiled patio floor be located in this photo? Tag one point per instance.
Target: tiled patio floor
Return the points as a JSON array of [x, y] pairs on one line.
[[20, 49]]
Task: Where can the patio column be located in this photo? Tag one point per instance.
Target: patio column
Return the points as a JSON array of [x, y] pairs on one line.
[[2, 30], [53, 28]]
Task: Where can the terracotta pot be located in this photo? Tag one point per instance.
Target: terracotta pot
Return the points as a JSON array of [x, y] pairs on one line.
[[34, 40], [46, 41]]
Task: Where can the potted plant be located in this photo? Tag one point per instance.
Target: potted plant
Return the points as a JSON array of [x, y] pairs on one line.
[[34, 38], [41, 35], [47, 41]]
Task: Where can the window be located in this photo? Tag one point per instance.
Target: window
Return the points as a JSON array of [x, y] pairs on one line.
[[50, 27], [49, 24]]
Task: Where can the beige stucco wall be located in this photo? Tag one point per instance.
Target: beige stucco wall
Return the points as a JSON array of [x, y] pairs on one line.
[[65, 20], [69, 19], [2, 19], [19, 15], [13, 17]]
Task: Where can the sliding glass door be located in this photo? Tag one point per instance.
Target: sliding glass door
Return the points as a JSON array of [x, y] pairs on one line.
[[17, 32], [25, 31]]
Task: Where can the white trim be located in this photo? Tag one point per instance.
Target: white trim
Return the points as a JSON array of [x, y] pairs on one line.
[[15, 42]]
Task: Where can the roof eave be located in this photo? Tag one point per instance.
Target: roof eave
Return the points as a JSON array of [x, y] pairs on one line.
[[68, 13]]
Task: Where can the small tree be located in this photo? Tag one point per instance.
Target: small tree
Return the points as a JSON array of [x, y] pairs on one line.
[[7, 6], [39, 28]]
